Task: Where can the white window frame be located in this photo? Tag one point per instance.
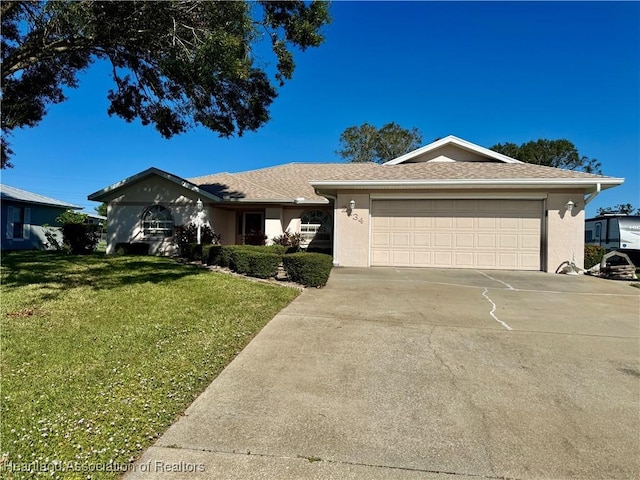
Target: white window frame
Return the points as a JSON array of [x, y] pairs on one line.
[[318, 230], [157, 227]]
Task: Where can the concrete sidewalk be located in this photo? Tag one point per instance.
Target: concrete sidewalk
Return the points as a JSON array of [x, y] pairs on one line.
[[407, 373]]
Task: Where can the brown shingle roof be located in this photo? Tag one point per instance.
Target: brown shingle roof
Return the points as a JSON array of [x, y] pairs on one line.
[[457, 171], [291, 181], [283, 182]]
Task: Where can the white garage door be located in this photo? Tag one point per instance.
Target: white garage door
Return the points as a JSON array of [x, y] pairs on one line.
[[491, 234]]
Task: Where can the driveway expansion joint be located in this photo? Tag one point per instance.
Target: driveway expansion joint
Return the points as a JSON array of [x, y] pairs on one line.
[[315, 459]]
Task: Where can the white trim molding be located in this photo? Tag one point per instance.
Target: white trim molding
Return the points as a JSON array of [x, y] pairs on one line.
[[459, 142]]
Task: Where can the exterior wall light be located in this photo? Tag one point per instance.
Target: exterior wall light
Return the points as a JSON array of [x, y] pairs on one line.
[[570, 206], [352, 204]]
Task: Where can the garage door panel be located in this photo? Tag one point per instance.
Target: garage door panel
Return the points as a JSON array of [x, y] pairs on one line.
[[508, 241], [443, 240], [508, 223], [442, 259], [421, 239], [530, 241], [380, 222], [401, 222], [530, 262], [463, 258], [466, 223], [422, 223], [532, 224], [421, 259], [401, 258], [508, 260], [486, 240], [486, 223], [485, 260], [401, 239], [381, 257], [381, 239], [464, 240], [491, 234], [443, 222]]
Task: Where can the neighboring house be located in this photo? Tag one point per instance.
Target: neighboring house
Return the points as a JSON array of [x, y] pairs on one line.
[[450, 204], [95, 219], [23, 216]]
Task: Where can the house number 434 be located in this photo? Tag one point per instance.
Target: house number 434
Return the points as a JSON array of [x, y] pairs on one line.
[[354, 216]]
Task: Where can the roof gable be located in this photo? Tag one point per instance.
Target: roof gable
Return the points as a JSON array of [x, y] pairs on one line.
[[452, 149], [112, 191]]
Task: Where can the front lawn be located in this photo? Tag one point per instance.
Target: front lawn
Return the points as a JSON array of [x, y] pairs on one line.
[[100, 354]]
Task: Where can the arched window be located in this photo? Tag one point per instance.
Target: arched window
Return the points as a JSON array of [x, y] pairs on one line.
[[157, 222], [316, 227]]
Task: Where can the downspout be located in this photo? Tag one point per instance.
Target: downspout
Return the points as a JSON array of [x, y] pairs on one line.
[[593, 195], [336, 263]]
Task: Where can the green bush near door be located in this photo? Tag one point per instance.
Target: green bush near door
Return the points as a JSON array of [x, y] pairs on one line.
[[309, 269]]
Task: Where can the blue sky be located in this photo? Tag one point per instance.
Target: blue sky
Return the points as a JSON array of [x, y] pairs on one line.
[[485, 72]]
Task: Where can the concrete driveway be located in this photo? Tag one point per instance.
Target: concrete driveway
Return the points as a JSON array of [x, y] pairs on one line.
[[420, 373]]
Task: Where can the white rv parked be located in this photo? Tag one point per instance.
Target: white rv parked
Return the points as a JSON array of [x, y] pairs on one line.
[[615, 232]]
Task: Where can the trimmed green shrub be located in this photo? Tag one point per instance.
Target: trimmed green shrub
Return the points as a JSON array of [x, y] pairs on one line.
[[309, 269], [240, 260], [224, 259], [80, 238], [211, 254], [252, 260], [192, 251], [592, 255], [263, 264], [277, 249], [137, 248]]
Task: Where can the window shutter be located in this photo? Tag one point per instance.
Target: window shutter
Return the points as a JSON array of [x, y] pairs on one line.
[[26, 227], [10, 222]]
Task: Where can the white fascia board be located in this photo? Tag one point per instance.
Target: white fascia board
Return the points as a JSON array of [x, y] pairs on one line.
[[146, 173], [544, 182], [454, 141]]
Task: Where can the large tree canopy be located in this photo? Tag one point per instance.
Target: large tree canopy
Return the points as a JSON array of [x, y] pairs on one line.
[[553, 153], [366, 143], [174, 64]]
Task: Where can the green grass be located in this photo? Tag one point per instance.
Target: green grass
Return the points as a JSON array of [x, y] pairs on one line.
[[101, 354]]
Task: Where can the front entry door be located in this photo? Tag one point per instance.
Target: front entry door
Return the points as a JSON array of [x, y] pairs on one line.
[[252, 228]]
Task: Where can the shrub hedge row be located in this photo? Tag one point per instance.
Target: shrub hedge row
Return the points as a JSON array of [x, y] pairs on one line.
[[308, 269]]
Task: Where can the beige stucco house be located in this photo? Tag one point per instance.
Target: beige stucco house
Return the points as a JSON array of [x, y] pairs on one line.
[[449, 204]]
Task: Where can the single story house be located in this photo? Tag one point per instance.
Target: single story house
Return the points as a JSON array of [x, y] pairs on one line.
[[449, 204], [23, 216]]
